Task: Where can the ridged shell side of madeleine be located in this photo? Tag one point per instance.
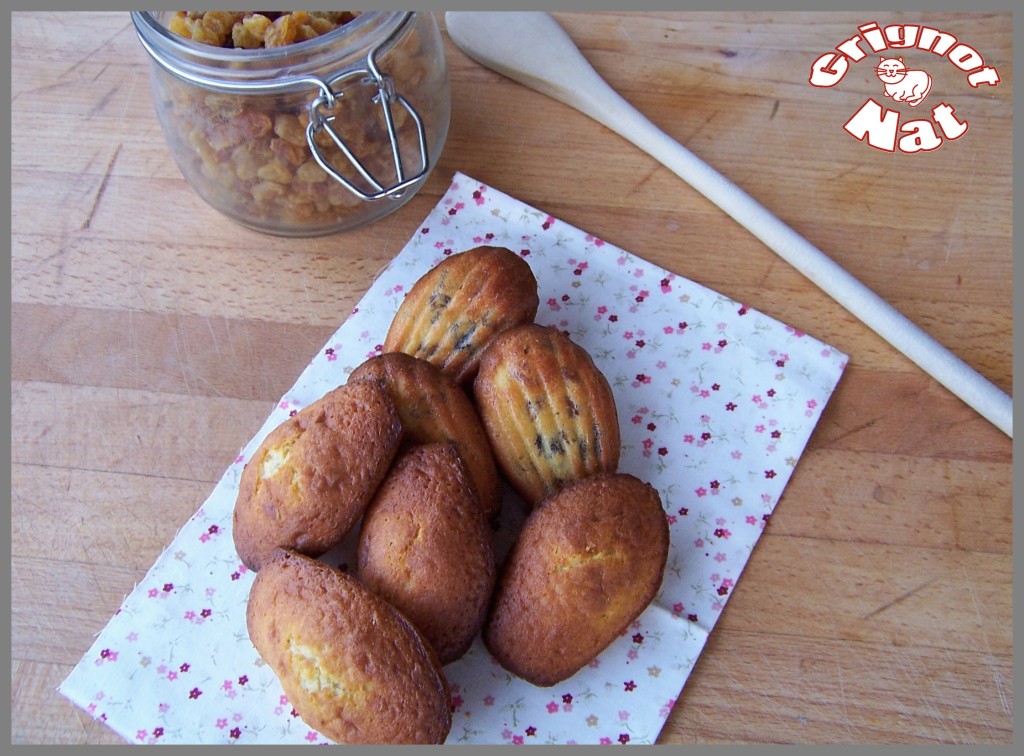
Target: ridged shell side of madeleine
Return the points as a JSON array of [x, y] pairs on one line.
[[548, 410], [457, 307], [434, 408]]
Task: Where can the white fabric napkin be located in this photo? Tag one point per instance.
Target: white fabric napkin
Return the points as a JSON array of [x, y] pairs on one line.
[[716, 403]]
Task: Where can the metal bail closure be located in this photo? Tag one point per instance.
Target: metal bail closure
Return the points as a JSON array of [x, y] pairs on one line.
[[321, 120]]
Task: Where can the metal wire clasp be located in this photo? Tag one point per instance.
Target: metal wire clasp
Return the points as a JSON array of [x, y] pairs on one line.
[[320, 120]]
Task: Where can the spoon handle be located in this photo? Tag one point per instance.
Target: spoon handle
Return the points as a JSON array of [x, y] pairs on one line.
[[534, 50]]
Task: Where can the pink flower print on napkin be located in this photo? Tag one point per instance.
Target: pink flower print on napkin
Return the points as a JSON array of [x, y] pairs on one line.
[[106, 655], [484, 239], [684, 363]]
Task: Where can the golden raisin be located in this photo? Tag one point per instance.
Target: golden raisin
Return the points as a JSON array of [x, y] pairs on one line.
[[275, 171], [250, 30], [281, 32], [288, 127], [310, 172]]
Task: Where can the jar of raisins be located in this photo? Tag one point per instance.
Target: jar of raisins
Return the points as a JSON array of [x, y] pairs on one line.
[[300, 129]]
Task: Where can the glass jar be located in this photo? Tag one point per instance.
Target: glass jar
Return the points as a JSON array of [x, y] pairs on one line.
[[310, 138]]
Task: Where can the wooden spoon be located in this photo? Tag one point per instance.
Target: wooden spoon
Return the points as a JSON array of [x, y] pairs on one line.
[[534, 50]]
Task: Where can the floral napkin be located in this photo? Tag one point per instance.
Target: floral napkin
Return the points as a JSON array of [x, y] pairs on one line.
[[716, 402]]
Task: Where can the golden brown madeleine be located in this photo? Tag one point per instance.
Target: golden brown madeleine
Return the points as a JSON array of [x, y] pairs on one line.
[[453, 311], [548, 410], [353, 667], [586, 563], [433, 408], [311, 478], [425, 546]]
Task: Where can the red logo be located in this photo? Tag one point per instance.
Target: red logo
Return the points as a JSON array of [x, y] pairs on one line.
[[882, 127]]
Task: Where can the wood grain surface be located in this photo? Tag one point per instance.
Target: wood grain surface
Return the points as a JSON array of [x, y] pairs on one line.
[[150, 337]]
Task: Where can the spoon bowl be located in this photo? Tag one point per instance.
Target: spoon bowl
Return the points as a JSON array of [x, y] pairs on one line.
[[533, 49]]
